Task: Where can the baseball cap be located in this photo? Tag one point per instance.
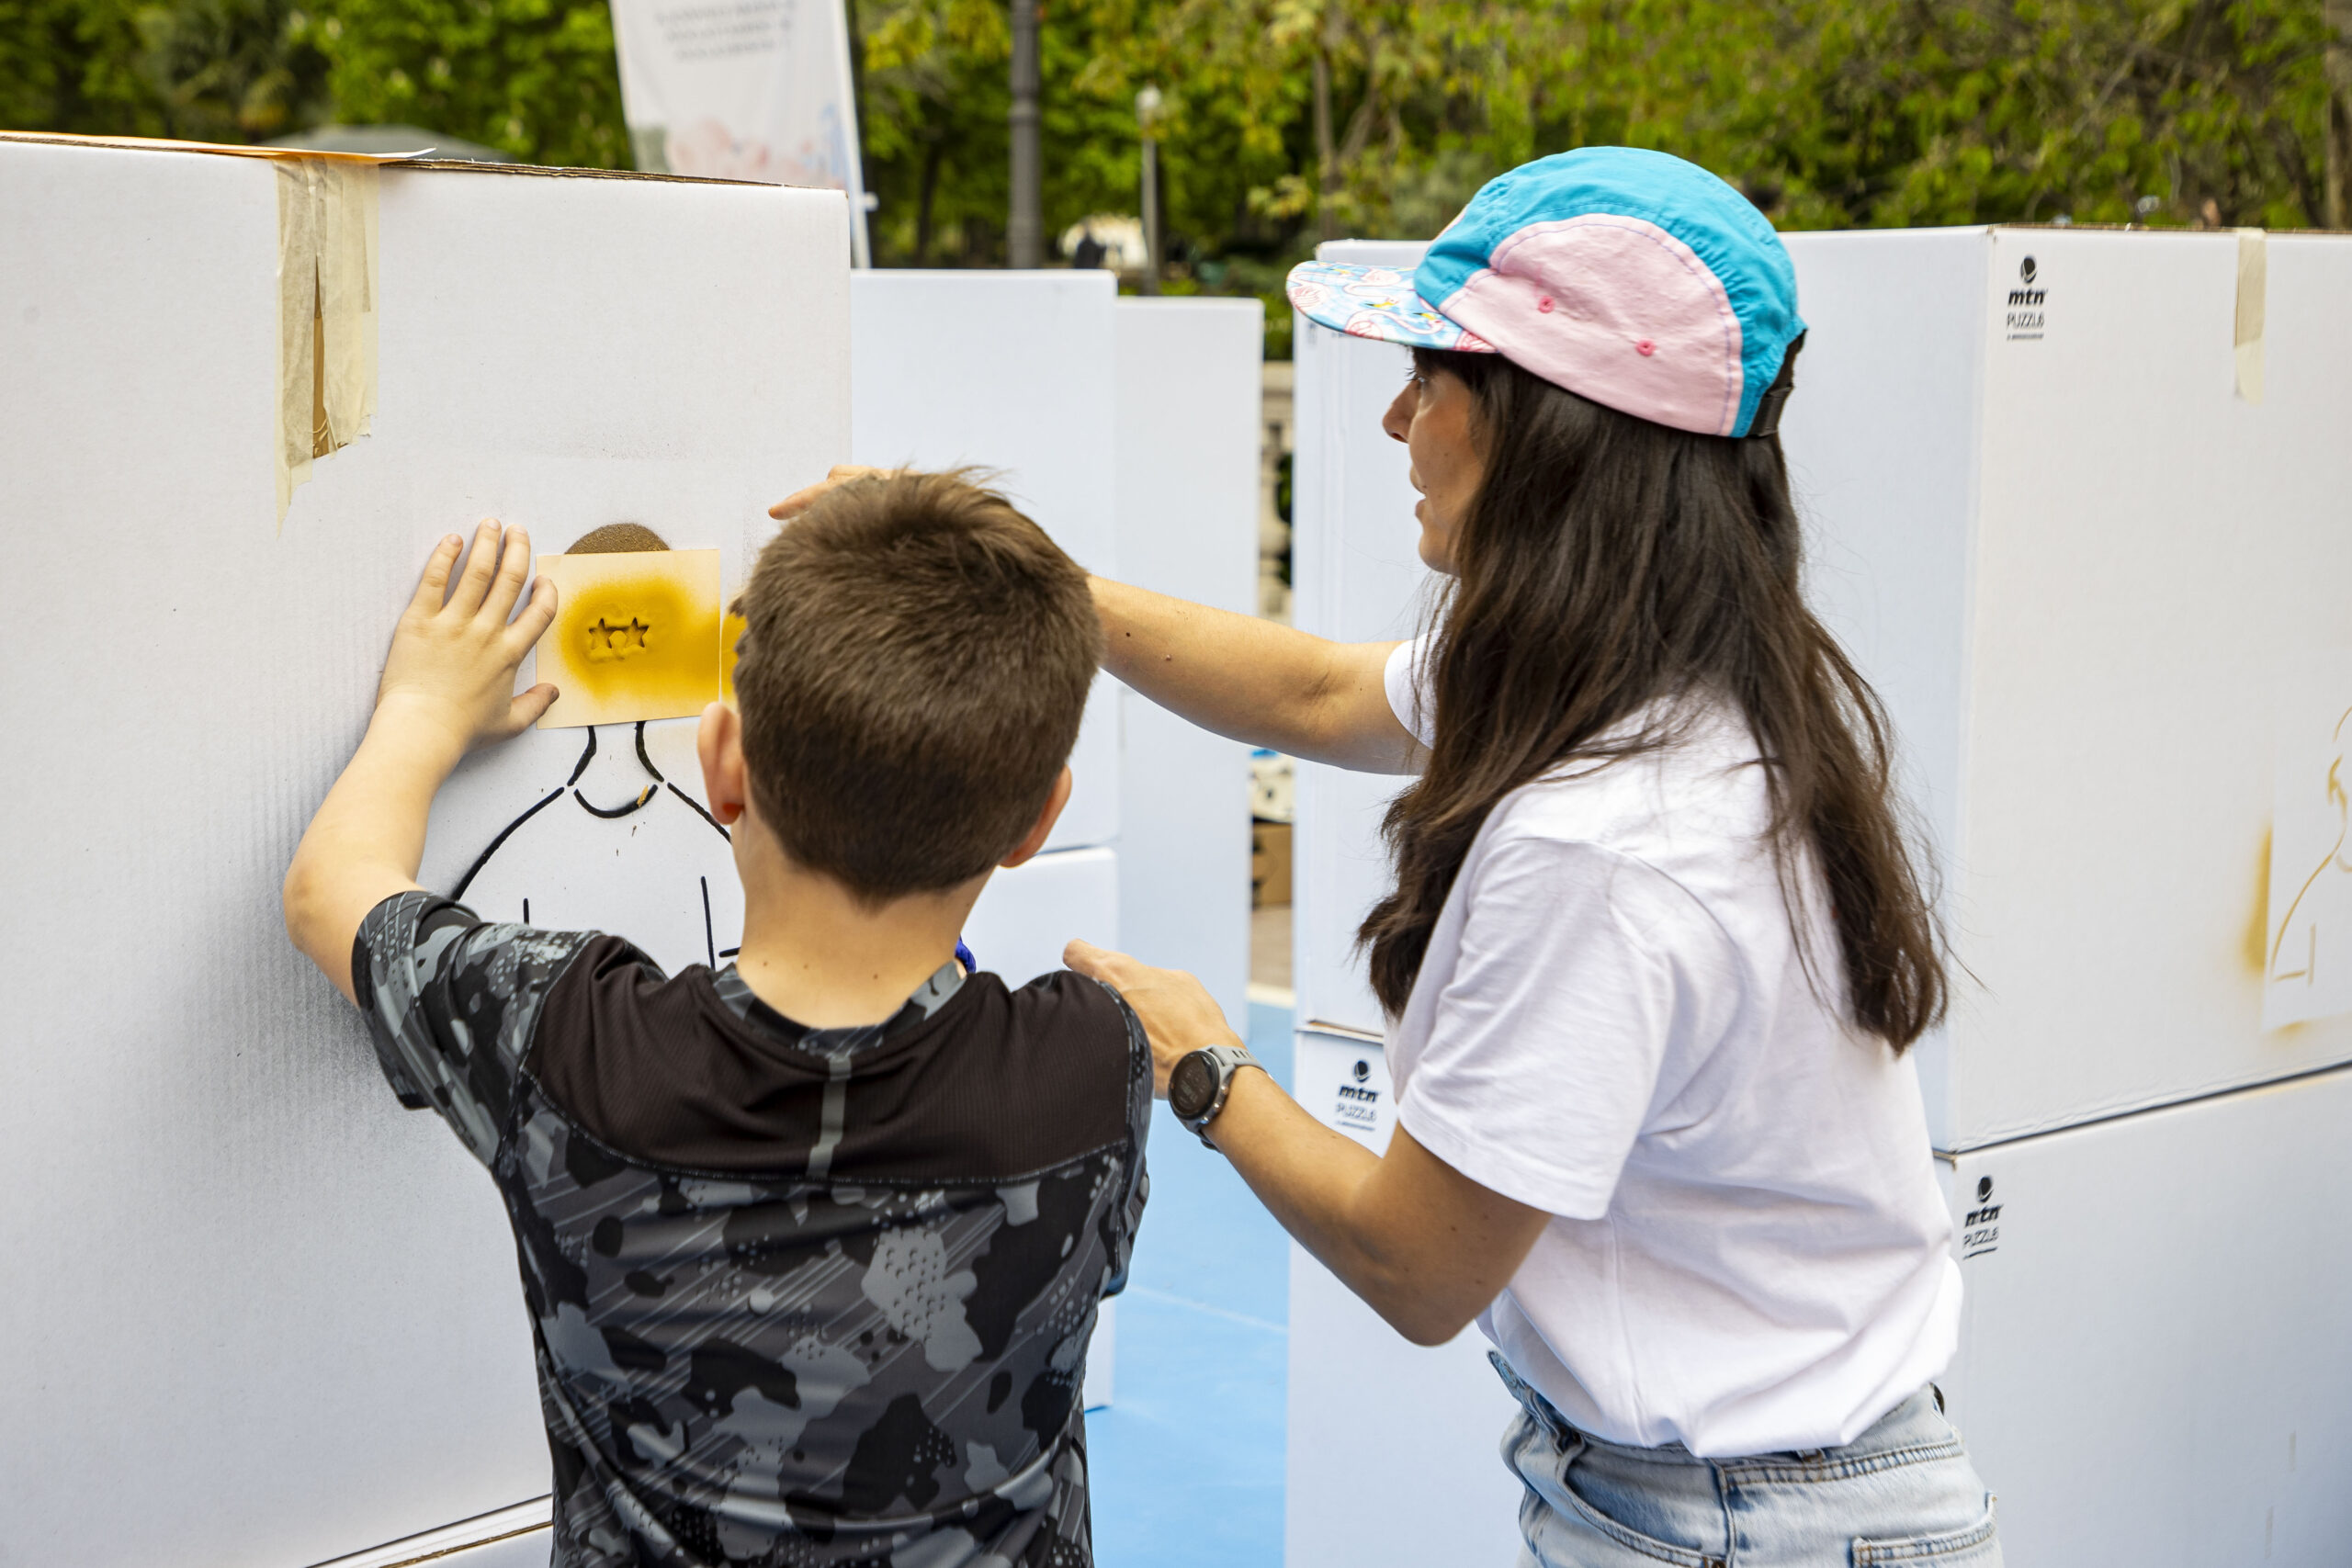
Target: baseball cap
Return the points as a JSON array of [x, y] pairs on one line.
[[1631, 277]]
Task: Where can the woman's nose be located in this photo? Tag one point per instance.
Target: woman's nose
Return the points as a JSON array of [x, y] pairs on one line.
[[1398, 421]]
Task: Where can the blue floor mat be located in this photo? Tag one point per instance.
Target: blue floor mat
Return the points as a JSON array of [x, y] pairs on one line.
[[1187, 1463]]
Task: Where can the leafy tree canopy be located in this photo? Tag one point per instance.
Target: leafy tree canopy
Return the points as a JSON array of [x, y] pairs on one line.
[[1285, 120]]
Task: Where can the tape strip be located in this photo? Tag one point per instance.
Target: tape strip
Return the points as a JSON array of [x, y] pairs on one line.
[[326, 312], [2253, 283]]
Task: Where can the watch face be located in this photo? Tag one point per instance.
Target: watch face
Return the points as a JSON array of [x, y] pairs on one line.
[[1191, 1086]]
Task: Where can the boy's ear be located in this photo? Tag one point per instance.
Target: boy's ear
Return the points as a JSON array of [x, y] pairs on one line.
[[719, 744], [1034, 840]]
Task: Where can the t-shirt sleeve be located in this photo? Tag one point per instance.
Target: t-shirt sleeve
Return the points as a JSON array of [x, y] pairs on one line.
[[452, 1002], [1578, 969], [1407, 679]]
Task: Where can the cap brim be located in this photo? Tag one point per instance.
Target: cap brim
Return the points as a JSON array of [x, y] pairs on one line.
[[1376, 302]]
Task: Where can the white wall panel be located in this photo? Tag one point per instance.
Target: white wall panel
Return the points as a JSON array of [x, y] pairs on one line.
[[1026, 915], [1356, 577], [1188, 526], [1016, 373], [1392, 1448], [2152, 1367], [246, 1277]]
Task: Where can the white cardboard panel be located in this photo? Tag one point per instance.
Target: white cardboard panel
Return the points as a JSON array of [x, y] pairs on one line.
[[2153, 550], [1026, 915], [1016, 373], [1883, 468], [1392, 1448], [1356, 577], [1187, 440], [233, 1247], [2152, 1365]]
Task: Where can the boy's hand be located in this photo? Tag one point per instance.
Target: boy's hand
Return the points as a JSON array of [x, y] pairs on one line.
[[452, 664], [1176, 1011], [840, 474]]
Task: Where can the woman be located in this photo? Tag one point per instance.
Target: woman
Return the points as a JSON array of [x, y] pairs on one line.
[[1655, 945]]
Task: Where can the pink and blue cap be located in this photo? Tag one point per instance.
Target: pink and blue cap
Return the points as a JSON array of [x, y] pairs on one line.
[[1630, 277]]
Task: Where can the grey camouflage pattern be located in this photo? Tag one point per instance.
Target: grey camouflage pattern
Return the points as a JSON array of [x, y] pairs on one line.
[[774, 1371]]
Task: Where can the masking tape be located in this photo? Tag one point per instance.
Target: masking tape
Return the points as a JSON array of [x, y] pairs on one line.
[[2254, 282], [326, 312]]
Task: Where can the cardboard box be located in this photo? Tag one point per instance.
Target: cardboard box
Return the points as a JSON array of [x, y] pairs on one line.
[[1391, 1459], [2152, 1363], [241, 1268], [1016, 374], [1270, 864], [1188, 437]]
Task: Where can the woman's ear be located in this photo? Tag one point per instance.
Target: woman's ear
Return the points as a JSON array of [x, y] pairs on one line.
[[1034, 840], [719, 743]]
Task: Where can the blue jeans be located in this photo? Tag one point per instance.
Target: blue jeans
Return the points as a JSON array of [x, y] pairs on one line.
[[1902, 1493]]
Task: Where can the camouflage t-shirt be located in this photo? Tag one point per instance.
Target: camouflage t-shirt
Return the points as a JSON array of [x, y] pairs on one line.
[[799, 1297]]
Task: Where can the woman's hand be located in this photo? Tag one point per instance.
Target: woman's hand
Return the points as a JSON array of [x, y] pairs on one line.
[[454, 654], [840, 474], [1177, 1011]]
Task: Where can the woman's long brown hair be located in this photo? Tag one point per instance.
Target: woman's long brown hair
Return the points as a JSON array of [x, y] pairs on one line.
[[1608, 563]]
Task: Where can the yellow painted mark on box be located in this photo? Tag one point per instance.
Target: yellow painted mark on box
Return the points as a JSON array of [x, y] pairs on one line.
[[636, 636], [2257, 949]]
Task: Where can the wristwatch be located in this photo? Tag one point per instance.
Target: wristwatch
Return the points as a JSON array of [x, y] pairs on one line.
[[1199, 1083]]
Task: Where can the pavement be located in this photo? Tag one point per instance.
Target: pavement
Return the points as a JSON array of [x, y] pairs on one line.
[[1187, 1463]]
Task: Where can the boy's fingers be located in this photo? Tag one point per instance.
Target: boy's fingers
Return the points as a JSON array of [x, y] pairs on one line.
[[513, 566], [537, 614], [527, 708], [480, 561], [434, 586]]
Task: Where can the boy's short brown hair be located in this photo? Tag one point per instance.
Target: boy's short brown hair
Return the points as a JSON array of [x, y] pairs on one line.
[[913, 673]]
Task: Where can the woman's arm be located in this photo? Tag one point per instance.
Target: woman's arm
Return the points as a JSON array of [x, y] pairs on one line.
[[1254, 680], [1426, 1246], [1238, 675]]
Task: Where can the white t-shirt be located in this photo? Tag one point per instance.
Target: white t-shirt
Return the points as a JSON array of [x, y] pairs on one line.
[[1749, 1252]]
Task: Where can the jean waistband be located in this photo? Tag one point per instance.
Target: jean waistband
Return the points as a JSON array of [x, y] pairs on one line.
[[1889, 1429]]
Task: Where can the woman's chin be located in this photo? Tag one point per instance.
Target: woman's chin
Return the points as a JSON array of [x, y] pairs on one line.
[[1432, 547]]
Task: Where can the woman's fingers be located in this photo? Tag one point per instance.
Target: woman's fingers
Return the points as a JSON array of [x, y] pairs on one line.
[[799, 500], [1177, 1012], [434, 586], [1096, 963]]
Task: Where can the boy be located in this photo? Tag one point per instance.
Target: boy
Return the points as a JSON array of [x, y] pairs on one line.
[[811, 1245]]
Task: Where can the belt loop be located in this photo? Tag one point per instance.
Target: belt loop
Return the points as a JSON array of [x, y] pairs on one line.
[[1571, 1442]]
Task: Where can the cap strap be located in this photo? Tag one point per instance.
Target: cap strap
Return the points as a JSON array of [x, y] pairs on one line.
[[1768, 407]]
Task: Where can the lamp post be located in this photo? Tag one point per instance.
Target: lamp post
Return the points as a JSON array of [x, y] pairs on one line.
[[1146, 114], [1024, 229]]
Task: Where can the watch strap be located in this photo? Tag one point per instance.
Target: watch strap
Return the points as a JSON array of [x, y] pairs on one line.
[[1227, 1060]]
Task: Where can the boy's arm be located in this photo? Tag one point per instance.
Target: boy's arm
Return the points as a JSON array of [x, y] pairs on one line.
[[448, 683]]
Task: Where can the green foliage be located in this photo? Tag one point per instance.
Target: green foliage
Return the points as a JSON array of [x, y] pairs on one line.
[[1826, 112], [534, 78]]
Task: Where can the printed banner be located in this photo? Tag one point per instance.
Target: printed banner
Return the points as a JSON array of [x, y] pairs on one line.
[[742, 90]]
